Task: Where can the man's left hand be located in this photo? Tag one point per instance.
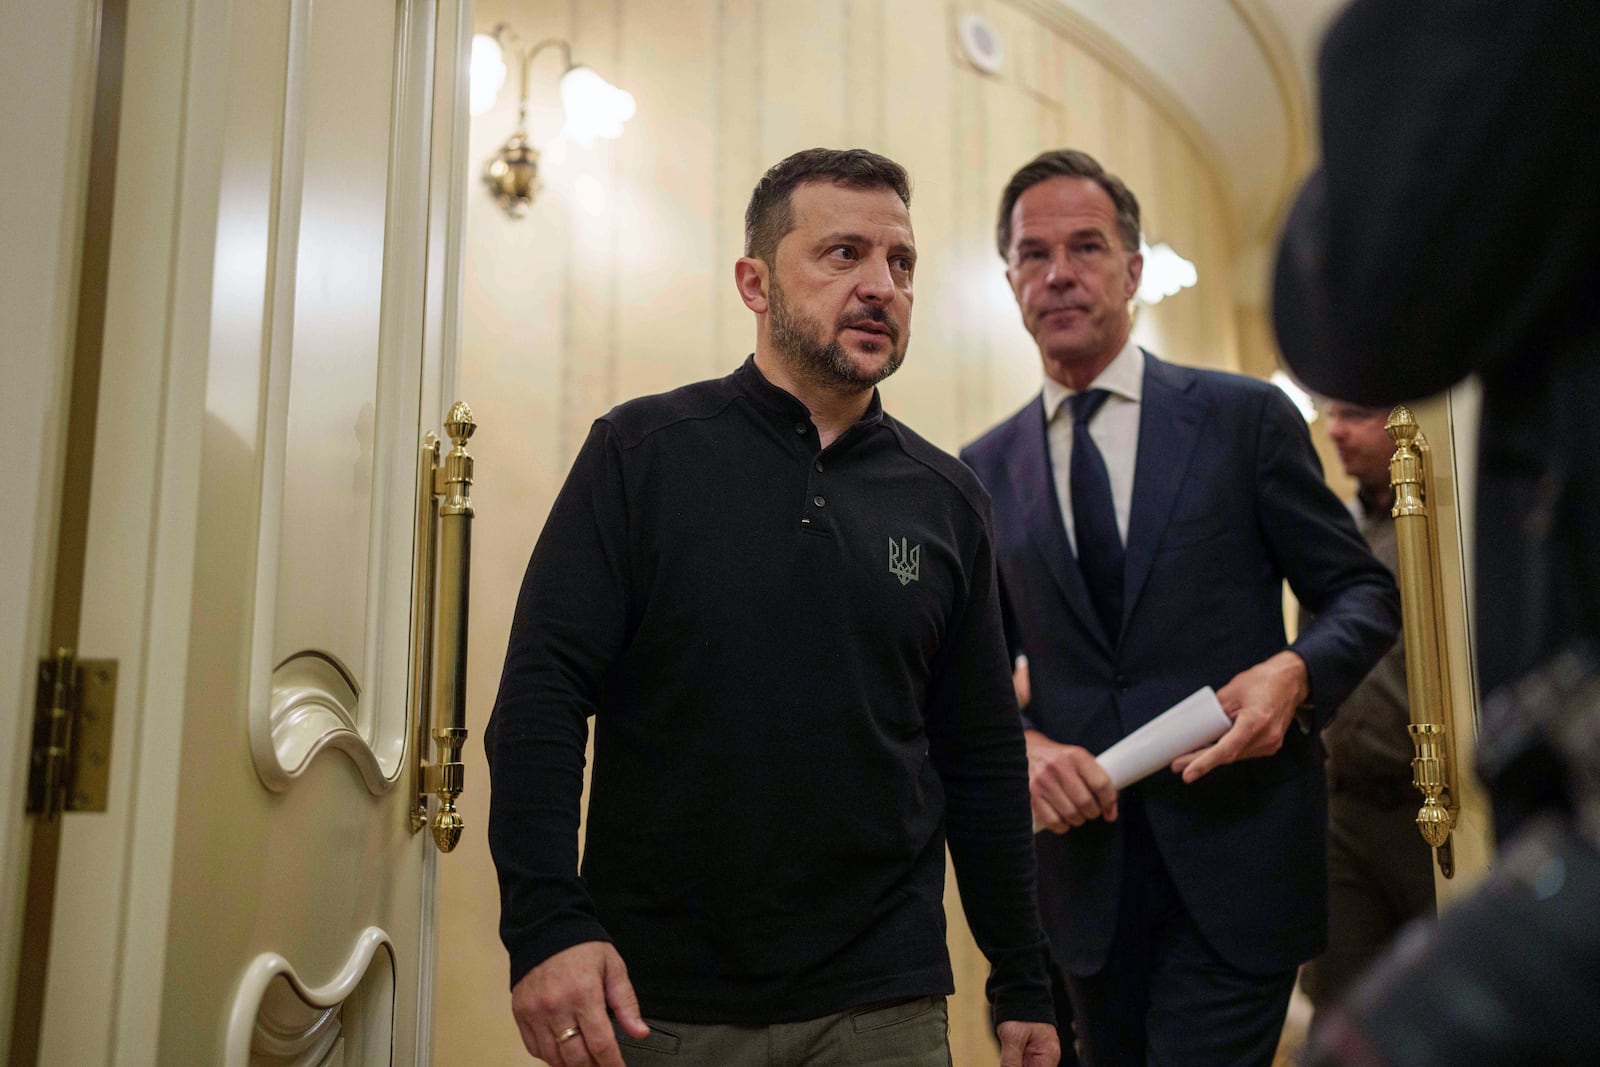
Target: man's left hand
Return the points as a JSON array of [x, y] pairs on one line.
[[1261, 703], [1028, 1044]]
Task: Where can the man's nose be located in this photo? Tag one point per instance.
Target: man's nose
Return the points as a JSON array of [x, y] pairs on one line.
[[1060, 273], [875, 282]]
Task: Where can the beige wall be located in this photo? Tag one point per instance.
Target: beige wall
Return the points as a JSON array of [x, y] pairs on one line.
[[619, 282]]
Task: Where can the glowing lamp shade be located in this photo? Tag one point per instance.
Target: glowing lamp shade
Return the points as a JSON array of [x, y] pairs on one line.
[[1165, 273], [488, 72], [594, 107]]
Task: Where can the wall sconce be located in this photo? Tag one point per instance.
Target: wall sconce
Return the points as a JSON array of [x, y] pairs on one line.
[[593, 107]]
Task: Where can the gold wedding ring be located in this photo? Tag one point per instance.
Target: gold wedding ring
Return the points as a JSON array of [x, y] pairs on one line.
[[568, 1034]]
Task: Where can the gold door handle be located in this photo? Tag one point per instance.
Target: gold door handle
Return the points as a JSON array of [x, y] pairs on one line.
[[1427, 667], [443, 575]]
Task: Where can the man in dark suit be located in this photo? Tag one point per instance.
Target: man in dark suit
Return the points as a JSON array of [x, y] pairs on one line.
[[1146, 517]]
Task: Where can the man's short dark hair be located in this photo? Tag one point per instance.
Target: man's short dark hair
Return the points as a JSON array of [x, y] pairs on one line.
[[771, 211], [1069, 163]]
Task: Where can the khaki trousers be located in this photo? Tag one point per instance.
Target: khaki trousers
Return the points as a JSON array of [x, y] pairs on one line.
[[912, 1033]]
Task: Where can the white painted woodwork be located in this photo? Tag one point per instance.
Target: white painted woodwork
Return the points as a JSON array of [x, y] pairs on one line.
[[46, 59], [279, 1020], [278, 302]]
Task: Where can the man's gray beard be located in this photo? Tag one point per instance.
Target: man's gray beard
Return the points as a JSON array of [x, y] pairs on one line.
[[794, 335]]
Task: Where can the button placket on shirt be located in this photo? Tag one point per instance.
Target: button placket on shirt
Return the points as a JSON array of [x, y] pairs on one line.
[[814, 494]]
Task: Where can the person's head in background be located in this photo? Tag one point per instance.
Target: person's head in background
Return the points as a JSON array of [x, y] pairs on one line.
[[1358, 432]]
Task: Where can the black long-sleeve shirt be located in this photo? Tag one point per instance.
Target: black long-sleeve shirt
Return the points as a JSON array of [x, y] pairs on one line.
[[795, 662]]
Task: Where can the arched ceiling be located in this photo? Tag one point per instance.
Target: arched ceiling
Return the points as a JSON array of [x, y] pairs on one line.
[[1243, 72]]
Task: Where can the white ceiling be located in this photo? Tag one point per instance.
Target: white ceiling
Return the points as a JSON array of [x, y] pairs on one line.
[[1243, 69]]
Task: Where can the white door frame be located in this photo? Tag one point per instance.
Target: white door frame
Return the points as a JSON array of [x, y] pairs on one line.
[[153, 398], [47, 59]]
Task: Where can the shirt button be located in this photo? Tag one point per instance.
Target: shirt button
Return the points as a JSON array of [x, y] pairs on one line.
[[819, 466], [1122, 683], [800, 428], [818, 501]]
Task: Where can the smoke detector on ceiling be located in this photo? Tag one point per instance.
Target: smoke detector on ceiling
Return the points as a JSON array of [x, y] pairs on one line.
[[981, 43]]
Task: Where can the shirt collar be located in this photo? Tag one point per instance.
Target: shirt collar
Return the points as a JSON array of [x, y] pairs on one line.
[[1375, 503], [780, 401], [1123, 376]]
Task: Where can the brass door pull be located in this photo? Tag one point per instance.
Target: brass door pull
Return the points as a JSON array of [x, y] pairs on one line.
[[1427, 667], [442, 578]]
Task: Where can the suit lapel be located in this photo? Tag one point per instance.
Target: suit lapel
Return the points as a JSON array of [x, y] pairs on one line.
[[1041, 514], [1169, 427]]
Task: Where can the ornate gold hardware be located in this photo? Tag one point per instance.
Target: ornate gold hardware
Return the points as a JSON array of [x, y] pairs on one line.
[[593, 107], [513, 175], [1427, 665], [443, 575], [71, 762]]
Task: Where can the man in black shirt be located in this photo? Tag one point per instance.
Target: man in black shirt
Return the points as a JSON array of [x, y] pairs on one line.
[[779, 604]]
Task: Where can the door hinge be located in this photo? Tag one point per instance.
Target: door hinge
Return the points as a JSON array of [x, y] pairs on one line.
[[71, 765]]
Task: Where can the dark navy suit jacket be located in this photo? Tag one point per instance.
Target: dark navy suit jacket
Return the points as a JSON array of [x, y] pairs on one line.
[[1228, 501]]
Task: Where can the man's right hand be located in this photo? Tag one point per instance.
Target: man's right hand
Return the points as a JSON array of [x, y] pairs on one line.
[[571, 991], [1067, 785]]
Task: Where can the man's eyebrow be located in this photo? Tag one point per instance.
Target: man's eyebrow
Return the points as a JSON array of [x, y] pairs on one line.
[[1078, 234]]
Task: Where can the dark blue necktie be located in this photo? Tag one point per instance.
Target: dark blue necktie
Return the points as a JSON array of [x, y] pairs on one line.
[[1094, 516]]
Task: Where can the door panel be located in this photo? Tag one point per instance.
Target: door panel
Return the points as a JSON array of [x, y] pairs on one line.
[[349, 1020], [280, 906], [342, 373], [344, 100]]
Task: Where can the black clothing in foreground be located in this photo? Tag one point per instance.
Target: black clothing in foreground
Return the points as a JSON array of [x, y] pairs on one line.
[[795, 662], [1453, 229]]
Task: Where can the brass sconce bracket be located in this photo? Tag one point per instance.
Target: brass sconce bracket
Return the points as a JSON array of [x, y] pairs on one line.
[[512, 175], [442, 577], [1427, 665]]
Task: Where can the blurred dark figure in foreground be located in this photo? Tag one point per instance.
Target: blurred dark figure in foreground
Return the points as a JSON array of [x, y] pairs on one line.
[[1453, 229]]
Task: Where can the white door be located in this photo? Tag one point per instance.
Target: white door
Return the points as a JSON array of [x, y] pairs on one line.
[[278, 339]]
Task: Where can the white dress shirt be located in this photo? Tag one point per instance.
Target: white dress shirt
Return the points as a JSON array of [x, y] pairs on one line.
[[1114, 428]]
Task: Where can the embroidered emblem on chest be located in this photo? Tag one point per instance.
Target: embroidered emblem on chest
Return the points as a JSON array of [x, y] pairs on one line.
[[905, 564]]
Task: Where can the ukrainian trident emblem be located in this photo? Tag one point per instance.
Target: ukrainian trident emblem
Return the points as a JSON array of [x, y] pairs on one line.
[[904, 563]]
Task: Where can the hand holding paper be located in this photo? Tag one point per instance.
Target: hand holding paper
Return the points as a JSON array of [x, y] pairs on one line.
[[1066, 786], [1263, 699], [1194, 721]]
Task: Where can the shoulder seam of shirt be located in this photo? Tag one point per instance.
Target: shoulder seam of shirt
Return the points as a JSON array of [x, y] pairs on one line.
[[627, 445], [900, 429]]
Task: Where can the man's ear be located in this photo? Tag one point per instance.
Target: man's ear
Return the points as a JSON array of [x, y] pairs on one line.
[[1135, 272], [750, 278]]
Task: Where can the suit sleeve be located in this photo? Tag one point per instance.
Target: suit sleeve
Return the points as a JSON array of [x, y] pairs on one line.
[[1010, 627], [567, 630], [1316, 546], [975, 742]]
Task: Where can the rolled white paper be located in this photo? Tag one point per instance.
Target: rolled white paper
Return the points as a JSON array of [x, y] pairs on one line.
[[1192, 722]]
